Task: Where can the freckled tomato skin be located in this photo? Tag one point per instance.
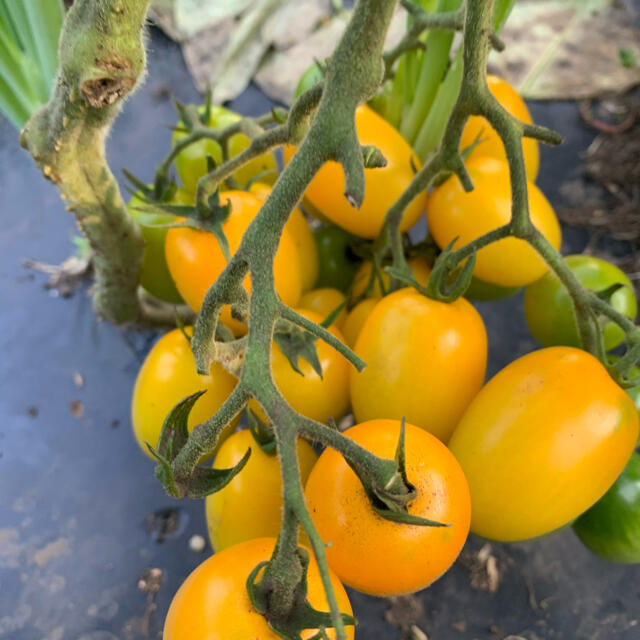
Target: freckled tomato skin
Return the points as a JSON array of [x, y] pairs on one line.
[[356, 318], [419, 267], [337, 263], [250, 506], [314, 397], [383, 186], [167, 376], [323, 301], [452, 213], [611, 528], [195, 259], [426, 360], [542, 442], [213, 603], [549, 311], [300, 231], [372, 554], [491, 144], [191, 163]]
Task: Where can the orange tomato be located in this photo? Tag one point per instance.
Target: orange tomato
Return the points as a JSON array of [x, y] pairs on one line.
[[356, 318], [323, 302]]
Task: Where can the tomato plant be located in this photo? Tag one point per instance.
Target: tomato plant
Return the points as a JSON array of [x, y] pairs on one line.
[[400, 380], [451, 215], [337, 263], [383, 185], [168, 375], [549, 309], [419, 268], [191, 163], [375, 555], [542, 442], [195, 258], [324, 301], [213, 603], [611, 527], [250, 506]]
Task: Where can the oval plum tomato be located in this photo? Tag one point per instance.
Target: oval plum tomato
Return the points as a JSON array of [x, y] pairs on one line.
[[213, 603], [250, 506], [452, 214], [542, 442], [375, 555], [491, 145], [611, 528], [419, 267], [426, 360], [195, 259], [323, 302], [549, 310], [302, 235], [383, 186], [309, 394], [169, 375], [337, 263], [191, 162], [356, 318]]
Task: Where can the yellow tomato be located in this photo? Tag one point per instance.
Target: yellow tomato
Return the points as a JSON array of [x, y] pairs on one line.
[[426, 361], [453, 214], [250, 506], [167, 376], [213, 603], [383, 186], [542, 442], [309, 394], [195, 259], [323, 302], [491, 144], [419, 267], [356, 319], [302, 235]]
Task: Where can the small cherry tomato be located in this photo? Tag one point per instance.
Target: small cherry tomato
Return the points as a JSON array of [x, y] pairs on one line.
[[213, 603], [426, 360], [302, 235], [195, 258], [250, 506], [337, 263], [356, 318], [383, 186], [491, 145], [323, 302], [542, 442], [453, 215], [169, 375], [372, 554], [191, 162], [611, 528], [419, 267], [309, 394], [549, 311]]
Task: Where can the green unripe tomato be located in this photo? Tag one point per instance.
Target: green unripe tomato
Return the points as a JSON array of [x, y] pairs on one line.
[[154, 272], [549, 310], [310, 77], [483, 290], [191, 163], [337, 264], [611, 528]]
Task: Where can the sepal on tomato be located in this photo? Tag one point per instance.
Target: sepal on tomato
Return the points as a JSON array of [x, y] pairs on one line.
[[440, 286], [262, 433], [297, 343]]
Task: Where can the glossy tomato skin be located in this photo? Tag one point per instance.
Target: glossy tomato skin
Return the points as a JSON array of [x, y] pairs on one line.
[[383, 186], [452, 213], [491, 144], [324, 301], [542, 442], [356, 318], [309, 394], [250, 506], [167, 376], [337, 264], [191, 163], [481, 290], [300, 231], [426, 360], [419, 267], [372, 554], [549, 310], [213, 603], [611, 528], [195, 259]]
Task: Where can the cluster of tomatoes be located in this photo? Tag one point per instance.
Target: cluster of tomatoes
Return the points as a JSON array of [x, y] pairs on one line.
[[533, 450]]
